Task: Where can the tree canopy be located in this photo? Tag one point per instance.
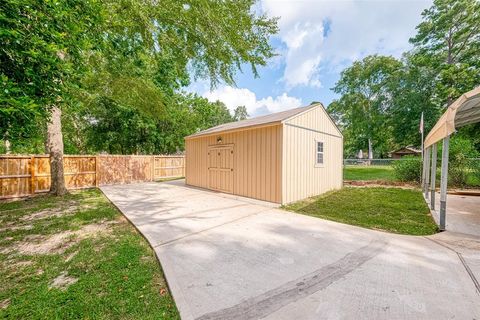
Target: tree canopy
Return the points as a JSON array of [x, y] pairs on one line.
[[240, 113], [117, 69], [382, 98], [42, 42]]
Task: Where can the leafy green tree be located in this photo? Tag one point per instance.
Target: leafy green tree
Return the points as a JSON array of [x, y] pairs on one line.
[[448, 41], [471, 132], [410, 96], [188, 114], [210, 114], [240, 113], [119, 129], [131, 56], [362, 110], [443, 64], [40, 58], [122, 129], [131, 72], [448, 44]]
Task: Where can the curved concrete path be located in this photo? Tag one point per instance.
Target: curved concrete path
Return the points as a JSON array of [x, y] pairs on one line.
[[227, 257]]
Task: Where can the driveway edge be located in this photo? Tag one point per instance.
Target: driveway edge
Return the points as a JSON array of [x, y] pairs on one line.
[[184, 314]]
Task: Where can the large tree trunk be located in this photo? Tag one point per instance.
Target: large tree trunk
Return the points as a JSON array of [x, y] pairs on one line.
[[55, 147]]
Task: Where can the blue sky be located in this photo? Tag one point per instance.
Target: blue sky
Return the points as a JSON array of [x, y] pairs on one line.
[[317, 40]]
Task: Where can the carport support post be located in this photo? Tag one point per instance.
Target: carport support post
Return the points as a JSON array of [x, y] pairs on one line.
[[433, 173], [422, 182], [427, 171], [443, 183]]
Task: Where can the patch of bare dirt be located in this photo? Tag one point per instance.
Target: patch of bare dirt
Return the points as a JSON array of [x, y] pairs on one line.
[[71, 208], [21, 264], [122, 219], [11, 227], [58, 243], [14, 265], [70, 256], [62, 282], [4, 303]]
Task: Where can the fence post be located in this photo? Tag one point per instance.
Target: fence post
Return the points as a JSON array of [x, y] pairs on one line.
[[128, 175], [153, 168], [32, 175], [97, 173]]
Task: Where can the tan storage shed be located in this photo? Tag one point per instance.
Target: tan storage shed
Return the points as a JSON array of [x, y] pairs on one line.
[[281, 157]]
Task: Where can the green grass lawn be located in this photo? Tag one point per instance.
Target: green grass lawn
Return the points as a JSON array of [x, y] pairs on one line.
[[391, 209], [368, 173], [76, 257]]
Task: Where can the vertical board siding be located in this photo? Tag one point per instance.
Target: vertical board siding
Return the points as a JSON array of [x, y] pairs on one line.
[[15, 173], [42, 174], [302, 177], [26, 175], [169, 166], [79, 171], [256, 161]]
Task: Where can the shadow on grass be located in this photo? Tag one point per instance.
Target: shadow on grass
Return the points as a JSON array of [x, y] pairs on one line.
[[394, 210]]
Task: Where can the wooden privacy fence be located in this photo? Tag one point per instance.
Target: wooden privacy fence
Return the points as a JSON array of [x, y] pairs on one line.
[[26, 175]]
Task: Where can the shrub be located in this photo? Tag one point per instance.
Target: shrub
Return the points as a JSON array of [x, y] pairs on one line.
[[458, 170], [408, 169], [461, 165]]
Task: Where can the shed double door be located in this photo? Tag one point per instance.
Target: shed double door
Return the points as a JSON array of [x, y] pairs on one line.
[[220, 168]]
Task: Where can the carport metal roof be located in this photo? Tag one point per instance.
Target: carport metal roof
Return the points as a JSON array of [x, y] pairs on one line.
[[465, 110]]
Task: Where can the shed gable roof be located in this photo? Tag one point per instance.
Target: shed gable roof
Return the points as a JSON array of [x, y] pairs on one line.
[[254, 122], [322, 110]]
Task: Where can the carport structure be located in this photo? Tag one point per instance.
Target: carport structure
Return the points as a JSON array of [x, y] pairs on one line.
[[465, 110]]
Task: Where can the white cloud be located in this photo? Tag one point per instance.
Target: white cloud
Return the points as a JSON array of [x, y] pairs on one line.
[[327, 36], [302, 58], [234, 97]]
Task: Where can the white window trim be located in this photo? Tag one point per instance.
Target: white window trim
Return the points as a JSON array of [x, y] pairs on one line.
[[319, 165]]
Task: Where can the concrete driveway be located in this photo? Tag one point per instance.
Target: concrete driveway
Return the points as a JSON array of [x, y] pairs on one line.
[[227, 257], [463, 213]]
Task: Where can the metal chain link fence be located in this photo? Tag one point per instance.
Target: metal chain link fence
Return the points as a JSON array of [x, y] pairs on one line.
[[463, 172]]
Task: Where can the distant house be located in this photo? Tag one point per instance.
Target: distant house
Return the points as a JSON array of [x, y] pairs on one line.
[[405, 151]]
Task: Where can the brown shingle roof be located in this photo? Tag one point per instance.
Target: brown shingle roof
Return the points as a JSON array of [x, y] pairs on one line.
[[407, 148], [254, 122]]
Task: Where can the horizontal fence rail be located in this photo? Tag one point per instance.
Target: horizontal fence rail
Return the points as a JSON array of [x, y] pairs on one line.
[[22, 175], [462, 171], [369, 162]]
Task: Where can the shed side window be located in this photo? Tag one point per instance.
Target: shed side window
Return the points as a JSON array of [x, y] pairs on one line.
[[319, 152]]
